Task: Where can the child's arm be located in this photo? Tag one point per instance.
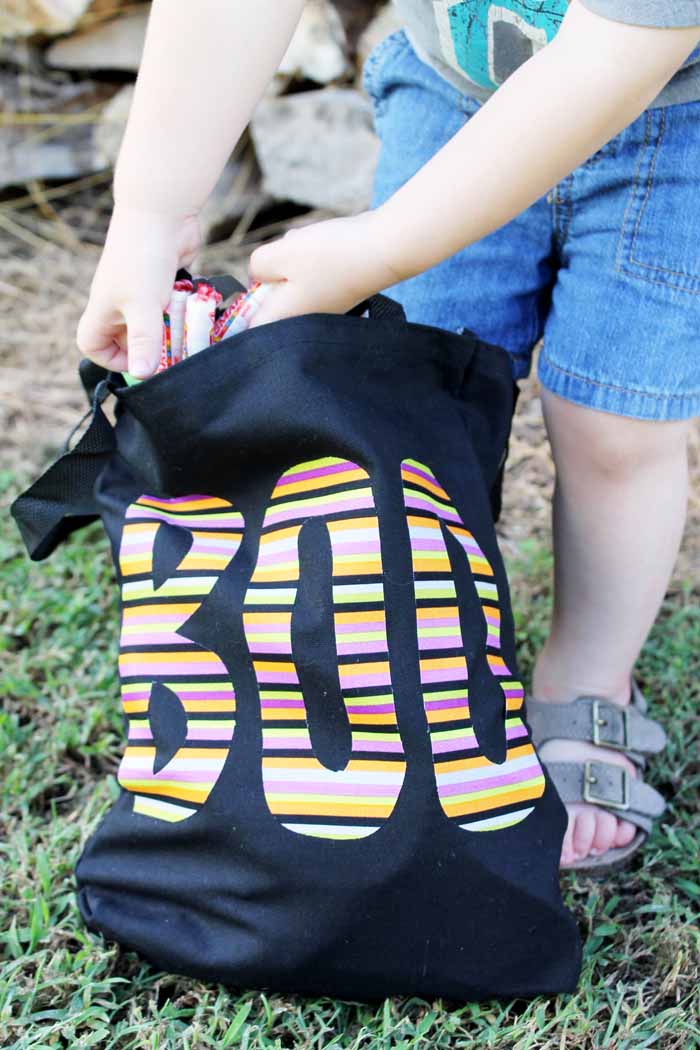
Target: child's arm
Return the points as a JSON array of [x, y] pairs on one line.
[[558, 108], [204, 67]]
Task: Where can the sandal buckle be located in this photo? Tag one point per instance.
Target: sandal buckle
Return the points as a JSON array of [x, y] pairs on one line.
[[589, 794], [604, 714]]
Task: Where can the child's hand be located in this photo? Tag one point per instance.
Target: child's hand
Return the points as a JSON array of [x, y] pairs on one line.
[[326, 267], [121, 327]]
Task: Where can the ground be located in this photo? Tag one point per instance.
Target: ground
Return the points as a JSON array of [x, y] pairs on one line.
[[61, 737]]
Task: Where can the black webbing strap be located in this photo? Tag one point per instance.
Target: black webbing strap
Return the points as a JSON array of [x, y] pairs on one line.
[[380, 308], [62, 499], [91, 375]]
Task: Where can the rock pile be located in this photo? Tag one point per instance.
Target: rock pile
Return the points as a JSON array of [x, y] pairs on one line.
[[66, 81]]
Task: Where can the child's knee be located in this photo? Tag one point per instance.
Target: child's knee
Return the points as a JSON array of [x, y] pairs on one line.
[[608, 445]]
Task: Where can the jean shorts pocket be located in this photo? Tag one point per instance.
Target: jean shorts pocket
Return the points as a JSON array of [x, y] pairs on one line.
[[660, 236], [377, 62]]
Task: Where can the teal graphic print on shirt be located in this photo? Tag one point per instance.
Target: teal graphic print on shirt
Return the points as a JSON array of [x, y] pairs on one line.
[[488, 41]]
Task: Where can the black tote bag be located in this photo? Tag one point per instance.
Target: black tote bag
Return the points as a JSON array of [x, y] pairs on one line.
[[328, 785]]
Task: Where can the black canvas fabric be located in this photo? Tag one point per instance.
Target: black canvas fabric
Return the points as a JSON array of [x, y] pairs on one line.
[[357, 821]]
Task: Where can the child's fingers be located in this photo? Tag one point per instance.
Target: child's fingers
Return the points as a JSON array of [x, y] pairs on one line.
[[101, 339], [284, 299], [130, 342], [144, 334], [269, 262]]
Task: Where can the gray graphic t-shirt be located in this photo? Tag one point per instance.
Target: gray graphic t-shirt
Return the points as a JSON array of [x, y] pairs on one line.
[[477, 44]]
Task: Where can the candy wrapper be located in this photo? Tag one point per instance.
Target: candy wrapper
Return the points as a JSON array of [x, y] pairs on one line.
[[176, 313], [239, 314], [190, 323], [200, 314], [166, 356]]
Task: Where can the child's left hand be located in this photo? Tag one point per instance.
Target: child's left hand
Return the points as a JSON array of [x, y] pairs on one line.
[[326, 267]]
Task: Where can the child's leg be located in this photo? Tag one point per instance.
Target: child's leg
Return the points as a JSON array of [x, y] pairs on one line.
[[619, 509], [621, 372], [621, 336]]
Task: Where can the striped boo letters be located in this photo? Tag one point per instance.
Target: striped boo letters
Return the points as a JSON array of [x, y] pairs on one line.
[[303, 794]]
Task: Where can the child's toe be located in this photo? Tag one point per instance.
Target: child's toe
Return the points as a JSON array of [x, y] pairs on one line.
[[605, 832], [584, 831], [625, 833], [567, 847]]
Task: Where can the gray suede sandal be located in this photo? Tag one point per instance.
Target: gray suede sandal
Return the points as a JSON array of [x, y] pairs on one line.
[[600, 783]]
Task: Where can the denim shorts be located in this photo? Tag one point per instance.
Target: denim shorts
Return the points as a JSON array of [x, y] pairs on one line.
[[605, 268]]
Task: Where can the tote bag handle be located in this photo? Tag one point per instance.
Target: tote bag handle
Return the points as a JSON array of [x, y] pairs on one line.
[[380, 308], [62, 500]]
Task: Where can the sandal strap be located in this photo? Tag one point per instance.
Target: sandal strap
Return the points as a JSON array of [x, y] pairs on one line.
[[597, 721], [613, 857], [638, 698], [609, 786]]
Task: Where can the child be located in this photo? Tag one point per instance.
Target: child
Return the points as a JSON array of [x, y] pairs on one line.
[[563, 204]]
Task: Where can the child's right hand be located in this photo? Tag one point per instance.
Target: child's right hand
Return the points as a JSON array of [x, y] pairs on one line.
[[121, 326]]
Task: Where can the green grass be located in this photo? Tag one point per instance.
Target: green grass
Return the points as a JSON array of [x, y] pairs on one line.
[[60, 739]]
